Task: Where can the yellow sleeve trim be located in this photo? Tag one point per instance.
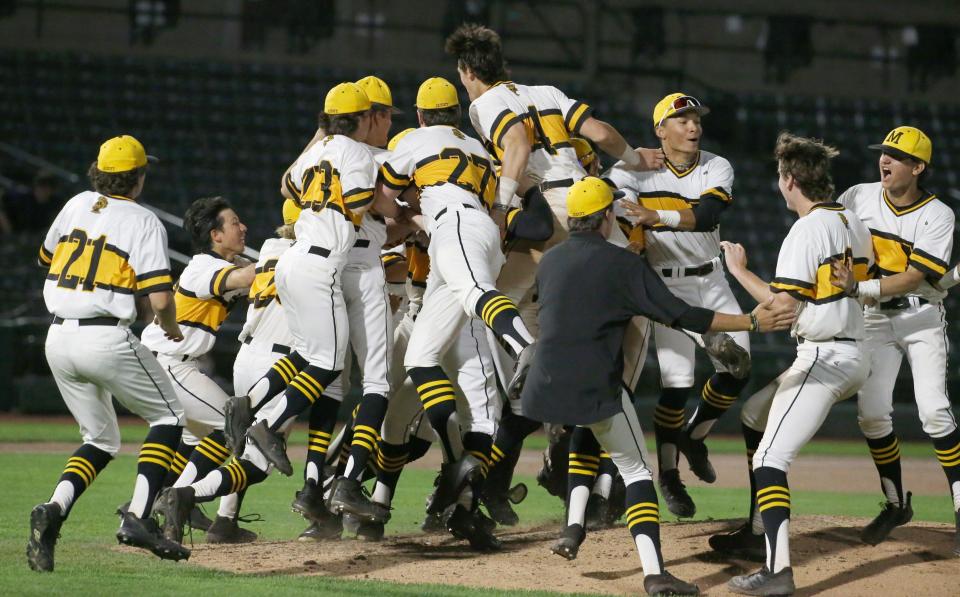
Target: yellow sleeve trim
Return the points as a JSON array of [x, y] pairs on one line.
[[782, 287], [718, 193], [392, 179], [45, 257]]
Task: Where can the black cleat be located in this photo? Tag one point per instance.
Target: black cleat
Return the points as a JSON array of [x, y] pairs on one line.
[[325, 530], [226, 530], [666, 584], [889, 518], [698, 457], [174, 505], [722, 347], [675, 494], [237, 418], [309, 502], [617, 502], [568, 545], [524, 360], [764, 582], [198, 521], [741, 543], [454, 476], [145, 534], [347, 496], [433, 523], [464, 524], [272, 445], [370, 531], [45, 523], [501, 511]]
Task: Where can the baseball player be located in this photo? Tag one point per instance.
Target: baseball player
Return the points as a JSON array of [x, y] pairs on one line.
[[681, 205], [336, 177], [912, 234], [830, 364], [207, 288], [457, 182], [103, 250]]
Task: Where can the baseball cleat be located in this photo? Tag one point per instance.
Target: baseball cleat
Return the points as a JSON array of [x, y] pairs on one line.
[[272, 445], [347, 497], [198, 521], [764, 582], [237, 418], [464, 524], [568, 545], [741, 543], [174, 505], [674, 492], [617, 502], [45, 523], [697, 455], [517, 493], [226, 530], [597, 512], [666, 584], [722, 347], [524, 360], [145, 534], [500, 510], [370, 531], [308, 502], [889, 518], [433, 523], [454, 476], [326, 530]]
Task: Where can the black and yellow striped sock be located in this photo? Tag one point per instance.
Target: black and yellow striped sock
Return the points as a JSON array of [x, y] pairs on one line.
[[180, 459], [773, 501], [479, 445], [366, 433], [156, 455], [304, 389], [605, 475], [209, 454], [643, 520], [235, 478], [886, 457], [583, 464], [346, 442], [439, 404], [947, 449], [417, 448], [668, 420], [751, 439], [323, 418], [391, 458], [80, 471], [275, 381], [718, 395], [502, 316], [513, 430]]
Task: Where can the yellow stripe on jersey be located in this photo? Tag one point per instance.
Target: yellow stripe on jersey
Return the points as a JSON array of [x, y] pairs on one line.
[[928, 264], [821, 290], [575, 117], [892, 252], [45, 257], [322, 189], [154, 281], [392, 178], [358, 199], [501, 124], [472, 172], [546, 129], [717, 193], [798, 289], [264, 288], [418, 264], [79, 262], [205, 314], [218, 283], [902, 211], [680, 174]]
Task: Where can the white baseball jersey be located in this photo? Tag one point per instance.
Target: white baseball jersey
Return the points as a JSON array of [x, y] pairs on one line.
[[100, 252], [372, 234], [333, 181], [202, 303], [918, 235], [828, 232], [709, 179], [549, 118], [266, 321], [447, 166]]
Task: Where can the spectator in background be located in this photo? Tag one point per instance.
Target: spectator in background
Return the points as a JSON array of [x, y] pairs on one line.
[[33, 208]]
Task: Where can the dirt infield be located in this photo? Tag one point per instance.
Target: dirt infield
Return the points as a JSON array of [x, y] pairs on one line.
[[827, 557]]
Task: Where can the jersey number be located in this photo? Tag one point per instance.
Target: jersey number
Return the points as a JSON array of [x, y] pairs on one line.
[[538, 133], [325, 170], [453, 153], [89, 280]]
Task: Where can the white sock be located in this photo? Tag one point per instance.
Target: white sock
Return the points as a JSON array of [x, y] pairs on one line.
[[577, 508], [228, 506], [138, 503], [208, 486], [187, 477], [313, 473], [700, 431], [258, 393], [783, 548], [466, 498], [63, 496], [648, 555], [349, 468], [602, 485], [382, 494]]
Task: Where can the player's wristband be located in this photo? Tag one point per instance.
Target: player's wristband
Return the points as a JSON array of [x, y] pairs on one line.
[[669, 218], [507, 192], [754, 323], [869, 289], [630, 157], [950, 279]]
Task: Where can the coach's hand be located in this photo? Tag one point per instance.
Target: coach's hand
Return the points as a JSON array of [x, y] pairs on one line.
[[643, 216], [734, 255], [773, 317], [841, 274]]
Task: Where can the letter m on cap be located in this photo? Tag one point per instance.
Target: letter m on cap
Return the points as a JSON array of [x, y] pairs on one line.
[[894, 137]]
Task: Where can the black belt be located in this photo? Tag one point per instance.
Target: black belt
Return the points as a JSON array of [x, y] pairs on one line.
[[276, 347], [556, 184], [89, 321], [700, 270], [444, 210], [183, 358], [801, 339], [362, 243], [900, 303], [315, 250]]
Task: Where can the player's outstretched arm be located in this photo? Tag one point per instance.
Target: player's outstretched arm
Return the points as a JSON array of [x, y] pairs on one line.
[[165, 309], [950, 279], [735, 256], [611, 141], [769, 316], [385, 200], [241, 277]]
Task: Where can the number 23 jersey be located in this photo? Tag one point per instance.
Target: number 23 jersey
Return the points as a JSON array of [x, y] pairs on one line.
[[100, 253]]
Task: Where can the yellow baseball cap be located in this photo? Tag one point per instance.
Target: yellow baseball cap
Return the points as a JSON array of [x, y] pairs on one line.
[[122, 154], [378, 92], [907, 142], [585, 152], [346, 98], [588, 196], [674, 104], [437, 93], [396, 138], [291, 211]]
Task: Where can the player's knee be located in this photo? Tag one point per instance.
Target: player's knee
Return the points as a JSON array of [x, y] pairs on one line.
[[936, 422], [638, 471], [772, 458], [876, 427], [109, 444]]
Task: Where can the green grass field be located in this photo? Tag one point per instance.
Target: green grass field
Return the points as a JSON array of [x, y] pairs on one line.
[[87, 566]]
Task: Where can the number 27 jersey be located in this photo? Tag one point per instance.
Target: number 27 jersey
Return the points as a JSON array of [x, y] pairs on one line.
[[100, 253]]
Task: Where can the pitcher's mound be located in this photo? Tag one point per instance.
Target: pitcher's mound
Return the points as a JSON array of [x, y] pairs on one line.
[[828, 558]]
